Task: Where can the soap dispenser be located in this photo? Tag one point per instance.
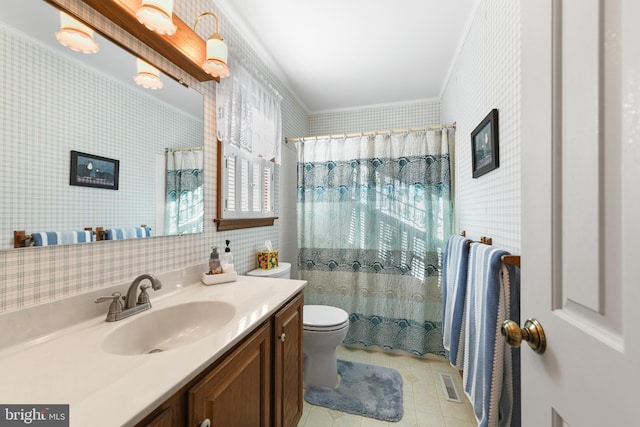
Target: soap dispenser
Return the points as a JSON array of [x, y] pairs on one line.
[[214, 261], [227, 259]]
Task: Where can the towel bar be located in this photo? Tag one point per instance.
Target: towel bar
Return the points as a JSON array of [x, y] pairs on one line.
[[20, 239], [483, 239], [511, 260]]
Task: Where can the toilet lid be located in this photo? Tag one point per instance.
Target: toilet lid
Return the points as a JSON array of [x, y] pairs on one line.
[[323, 317], [282, 269]]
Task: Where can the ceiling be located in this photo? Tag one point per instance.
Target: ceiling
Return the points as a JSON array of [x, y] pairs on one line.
[[340, 54]]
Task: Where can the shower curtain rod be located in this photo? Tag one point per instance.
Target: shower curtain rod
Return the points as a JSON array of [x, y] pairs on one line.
[[374, 133]]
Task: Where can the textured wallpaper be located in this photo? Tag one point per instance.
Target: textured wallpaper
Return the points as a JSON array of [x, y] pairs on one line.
[[487, 75], [376, 117], [32, 276]]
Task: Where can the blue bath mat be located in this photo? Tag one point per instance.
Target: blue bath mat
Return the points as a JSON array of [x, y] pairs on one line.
[[367, 390]]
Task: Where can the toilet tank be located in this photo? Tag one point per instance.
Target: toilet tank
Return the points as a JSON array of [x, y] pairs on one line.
[[282, 271]]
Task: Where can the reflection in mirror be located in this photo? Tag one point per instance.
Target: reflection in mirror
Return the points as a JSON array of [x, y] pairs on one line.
[[55, 101]]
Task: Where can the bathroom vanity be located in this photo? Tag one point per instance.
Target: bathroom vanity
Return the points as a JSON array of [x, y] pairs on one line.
[[257, 383], [241, 365]]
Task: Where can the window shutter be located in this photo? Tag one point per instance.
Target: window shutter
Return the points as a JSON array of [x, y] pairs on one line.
[[266, 189], [256, 206], [230, 196], [244, 183]]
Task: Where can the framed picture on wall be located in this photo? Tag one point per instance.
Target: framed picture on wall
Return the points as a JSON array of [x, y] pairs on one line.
[[484, 145], [88, 170]]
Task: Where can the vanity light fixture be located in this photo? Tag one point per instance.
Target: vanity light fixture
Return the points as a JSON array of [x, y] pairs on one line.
[[75, 35], [156, 15], [148, 76], [216, 59]]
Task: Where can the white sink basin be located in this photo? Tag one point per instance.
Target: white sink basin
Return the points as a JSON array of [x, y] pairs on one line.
[[159, 330]]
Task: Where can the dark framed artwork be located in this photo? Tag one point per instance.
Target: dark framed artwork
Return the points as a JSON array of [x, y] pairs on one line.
[[484, 145], [88, 170]]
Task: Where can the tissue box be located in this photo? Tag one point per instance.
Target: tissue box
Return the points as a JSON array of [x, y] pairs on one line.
[[267, 259]]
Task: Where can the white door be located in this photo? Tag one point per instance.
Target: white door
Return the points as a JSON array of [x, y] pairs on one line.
[[581, 211]]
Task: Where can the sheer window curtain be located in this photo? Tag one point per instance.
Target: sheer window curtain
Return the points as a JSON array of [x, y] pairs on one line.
[[185, 191], [373, 217], [248, 114], [250, 129]]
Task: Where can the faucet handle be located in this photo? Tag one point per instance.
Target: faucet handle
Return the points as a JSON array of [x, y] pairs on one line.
[[143, 298], [115, 308]]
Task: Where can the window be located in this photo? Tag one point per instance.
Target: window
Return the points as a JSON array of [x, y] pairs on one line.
[[247, 185], [249, 130]]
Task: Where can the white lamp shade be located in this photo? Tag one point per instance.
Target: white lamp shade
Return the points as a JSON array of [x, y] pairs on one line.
[[216, 62], [75, 35], [148, 76], [156, 15]]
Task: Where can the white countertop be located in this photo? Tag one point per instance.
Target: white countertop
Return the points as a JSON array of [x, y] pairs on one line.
[[102, 389]]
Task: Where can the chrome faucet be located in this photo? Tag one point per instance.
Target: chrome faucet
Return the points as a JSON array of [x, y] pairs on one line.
[[133, 303]]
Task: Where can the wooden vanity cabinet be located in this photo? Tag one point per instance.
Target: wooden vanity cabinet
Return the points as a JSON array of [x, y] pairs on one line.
[[258, 383], [237, 392], [171, 413], [288, 364]]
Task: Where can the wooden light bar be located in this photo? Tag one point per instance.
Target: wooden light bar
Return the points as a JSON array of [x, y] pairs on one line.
[[184, 48]]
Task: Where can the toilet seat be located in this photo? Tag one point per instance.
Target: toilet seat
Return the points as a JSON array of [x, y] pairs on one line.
[[324, 318]]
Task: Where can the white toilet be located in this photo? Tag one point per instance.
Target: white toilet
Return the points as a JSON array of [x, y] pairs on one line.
[[282, 271], [324, 329]]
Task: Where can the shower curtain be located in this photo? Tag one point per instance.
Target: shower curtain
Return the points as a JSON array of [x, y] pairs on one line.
[[373, 216], [185, 192]]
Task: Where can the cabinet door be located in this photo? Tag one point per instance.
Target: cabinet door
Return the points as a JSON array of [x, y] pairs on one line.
[[236, 393], [170, 414], [166, 418], [288, 364]]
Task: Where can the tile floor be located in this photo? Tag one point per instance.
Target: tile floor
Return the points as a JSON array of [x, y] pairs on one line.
[[424, 401]]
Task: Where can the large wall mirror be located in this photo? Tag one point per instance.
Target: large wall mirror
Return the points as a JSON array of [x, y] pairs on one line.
[[55, 101]]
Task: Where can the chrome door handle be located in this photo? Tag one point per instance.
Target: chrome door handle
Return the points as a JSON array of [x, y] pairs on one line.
[[532, 333], [283, 337]]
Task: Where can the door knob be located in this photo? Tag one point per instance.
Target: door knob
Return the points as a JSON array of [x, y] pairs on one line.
[[532, 333]]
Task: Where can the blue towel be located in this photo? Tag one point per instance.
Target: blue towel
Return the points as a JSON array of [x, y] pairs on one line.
[[128, 233], [53, 238], [454, 274], [491, 375], [144, 231]]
